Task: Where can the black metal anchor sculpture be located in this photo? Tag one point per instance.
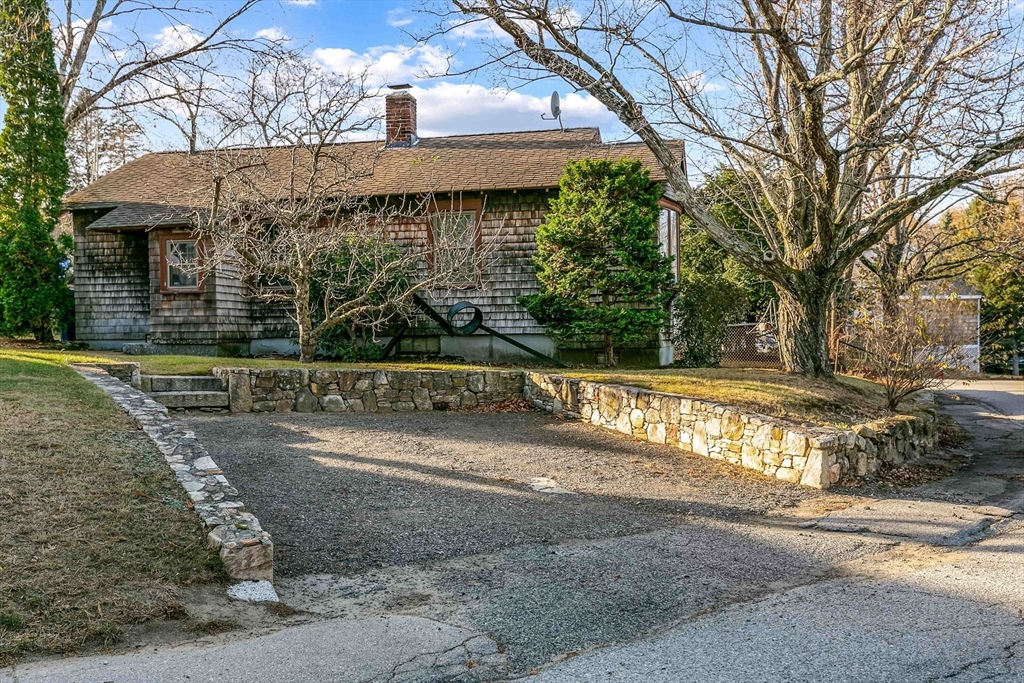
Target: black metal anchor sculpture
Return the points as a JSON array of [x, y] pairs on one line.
[[476, 322]]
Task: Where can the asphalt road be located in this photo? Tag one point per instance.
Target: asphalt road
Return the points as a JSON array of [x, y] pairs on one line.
[[951, 616], [1006, 396], [957, 621], [433, 515]]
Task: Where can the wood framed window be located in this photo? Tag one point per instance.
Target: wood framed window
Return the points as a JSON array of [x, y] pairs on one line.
[[668, 232], [454, 239], [179, 264]]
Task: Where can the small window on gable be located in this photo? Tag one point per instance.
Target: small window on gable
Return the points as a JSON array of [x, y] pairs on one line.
[[454, 239], [181, 259]]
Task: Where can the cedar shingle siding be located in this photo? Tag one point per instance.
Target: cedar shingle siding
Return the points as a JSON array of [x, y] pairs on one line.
[[111, 283], [511, 221], [120, 220]]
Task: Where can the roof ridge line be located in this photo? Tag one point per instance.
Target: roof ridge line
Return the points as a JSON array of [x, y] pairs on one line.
[[378, 141]]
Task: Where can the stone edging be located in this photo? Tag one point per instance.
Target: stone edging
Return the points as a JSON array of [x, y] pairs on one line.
[[812, 456], [245, 548]]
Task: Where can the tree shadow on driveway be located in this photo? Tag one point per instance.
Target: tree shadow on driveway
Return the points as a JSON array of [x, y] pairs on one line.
[[432, 514]]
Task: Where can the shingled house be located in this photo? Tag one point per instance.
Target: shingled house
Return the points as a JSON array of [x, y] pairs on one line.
[[131, 227]]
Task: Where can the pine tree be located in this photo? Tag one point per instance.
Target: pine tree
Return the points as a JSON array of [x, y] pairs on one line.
[[33, 173], [600, 268]]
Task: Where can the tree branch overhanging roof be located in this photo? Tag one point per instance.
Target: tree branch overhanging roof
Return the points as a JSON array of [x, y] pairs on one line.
[[442, 165]]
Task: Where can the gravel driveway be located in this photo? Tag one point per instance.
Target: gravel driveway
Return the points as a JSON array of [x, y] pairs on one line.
[[433, 515], [346, 493]]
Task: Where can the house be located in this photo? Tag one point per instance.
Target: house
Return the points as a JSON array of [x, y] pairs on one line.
[[132, 226], [954, 307]]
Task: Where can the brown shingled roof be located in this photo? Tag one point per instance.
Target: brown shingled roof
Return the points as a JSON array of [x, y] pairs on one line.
[[459, 163]]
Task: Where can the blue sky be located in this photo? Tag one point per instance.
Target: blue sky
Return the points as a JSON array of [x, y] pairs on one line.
[[342, 33]]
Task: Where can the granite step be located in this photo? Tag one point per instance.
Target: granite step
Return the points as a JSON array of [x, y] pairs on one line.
[[177, 383], [191, 399]]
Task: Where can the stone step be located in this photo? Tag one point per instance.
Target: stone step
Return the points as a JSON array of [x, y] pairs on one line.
[[191, 399], [162, 383]]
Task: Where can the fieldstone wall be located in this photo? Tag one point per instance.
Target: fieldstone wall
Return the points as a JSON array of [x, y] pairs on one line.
[[245, 548], [354, 391], [812, 456], [816, 457], [129, 373]]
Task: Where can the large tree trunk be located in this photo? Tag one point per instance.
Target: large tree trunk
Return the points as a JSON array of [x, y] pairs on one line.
[[609, 351], [304, 320], [307, 349], [803, 332]]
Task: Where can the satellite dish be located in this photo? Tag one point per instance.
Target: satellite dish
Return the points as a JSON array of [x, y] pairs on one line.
[[556, 110]]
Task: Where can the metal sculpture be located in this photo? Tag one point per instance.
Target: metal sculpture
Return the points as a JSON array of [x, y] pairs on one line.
[[476, 322]]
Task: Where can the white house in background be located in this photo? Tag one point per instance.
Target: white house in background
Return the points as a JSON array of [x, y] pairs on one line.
[[965, 316]]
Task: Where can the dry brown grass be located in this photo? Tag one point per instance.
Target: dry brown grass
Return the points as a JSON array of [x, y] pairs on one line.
[[202, 365], [842, 401], [95, 532]]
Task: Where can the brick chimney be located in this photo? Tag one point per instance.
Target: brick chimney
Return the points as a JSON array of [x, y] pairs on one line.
[[400, 117]]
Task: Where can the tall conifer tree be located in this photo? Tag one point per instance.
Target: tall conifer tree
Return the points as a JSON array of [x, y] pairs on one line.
[[601, 270], [33, 173]]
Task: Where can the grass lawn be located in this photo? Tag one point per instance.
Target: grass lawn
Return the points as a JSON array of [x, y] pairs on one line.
[[843, 401], [202, 365], [94, 532]]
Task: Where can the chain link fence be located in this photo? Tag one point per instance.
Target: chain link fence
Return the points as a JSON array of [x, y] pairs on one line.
[[751, 345]]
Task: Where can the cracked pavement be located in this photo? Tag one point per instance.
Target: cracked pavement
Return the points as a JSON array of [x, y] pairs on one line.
[[437, 561], [395, 649]]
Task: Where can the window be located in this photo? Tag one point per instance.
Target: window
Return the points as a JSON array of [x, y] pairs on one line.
[[668, 233], [180, 257], [454, 239]]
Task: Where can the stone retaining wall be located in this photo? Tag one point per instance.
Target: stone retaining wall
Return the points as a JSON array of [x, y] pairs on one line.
[[340, 391], [129, 373], [813, 456], [245, 548]]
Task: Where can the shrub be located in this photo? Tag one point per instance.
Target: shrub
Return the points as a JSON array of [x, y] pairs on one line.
[[600, 268], [704, 306]]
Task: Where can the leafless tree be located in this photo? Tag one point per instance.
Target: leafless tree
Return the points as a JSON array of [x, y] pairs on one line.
[[937, 244], [809, 100], [919, 347], [292, 213], [188, 96], [105, 47], [101, 142]]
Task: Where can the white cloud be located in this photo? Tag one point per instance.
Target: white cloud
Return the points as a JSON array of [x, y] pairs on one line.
[[398, 17], [446, 108], [475, 29], [452, 109], [697, 81], [272, 33], [175, 38], [301, 3], [386, 63]]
